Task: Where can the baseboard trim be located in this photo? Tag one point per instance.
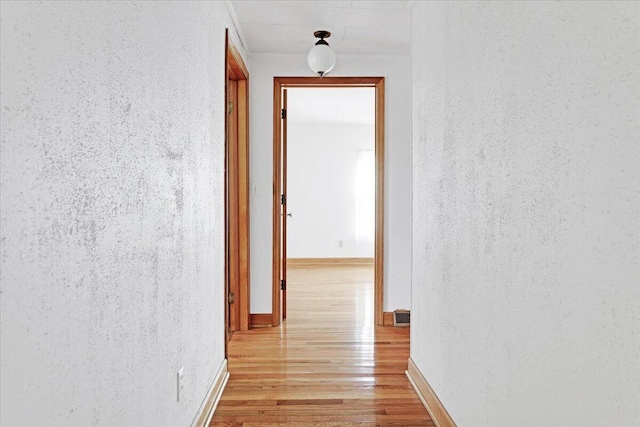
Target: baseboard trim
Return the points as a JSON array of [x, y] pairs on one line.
[[437, 411], [387, 318], [334, 261], [210, 403], [260, 320]]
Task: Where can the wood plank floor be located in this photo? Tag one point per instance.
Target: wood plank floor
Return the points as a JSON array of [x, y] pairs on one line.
[[327, 365]]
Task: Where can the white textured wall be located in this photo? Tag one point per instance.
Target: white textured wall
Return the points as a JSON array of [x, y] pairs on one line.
[[321, 189], [526, 211], [397, 73], [112, 210]]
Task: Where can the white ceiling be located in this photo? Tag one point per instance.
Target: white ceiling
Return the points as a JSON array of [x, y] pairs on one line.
[[355, 105], [357, 27]]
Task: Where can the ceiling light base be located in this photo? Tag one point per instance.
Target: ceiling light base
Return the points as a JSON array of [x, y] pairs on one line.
[[322, 34]]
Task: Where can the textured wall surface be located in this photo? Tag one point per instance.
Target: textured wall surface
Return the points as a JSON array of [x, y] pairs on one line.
[[112, 210], [397, 250], [526, 210]]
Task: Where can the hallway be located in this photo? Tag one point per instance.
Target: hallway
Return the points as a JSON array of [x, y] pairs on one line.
[[327, 365]]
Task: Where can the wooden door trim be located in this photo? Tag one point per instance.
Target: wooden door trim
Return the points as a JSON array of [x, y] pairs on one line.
[[238, 254], [276, 236], [379, 236], [233, 207], [226, 190], [286, 82], [238, 68], [243, 203]]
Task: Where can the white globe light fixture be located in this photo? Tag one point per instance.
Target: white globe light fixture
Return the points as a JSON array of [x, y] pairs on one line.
[[321, 58]]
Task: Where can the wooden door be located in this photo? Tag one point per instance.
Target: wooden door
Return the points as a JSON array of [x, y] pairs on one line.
[[284, 213]]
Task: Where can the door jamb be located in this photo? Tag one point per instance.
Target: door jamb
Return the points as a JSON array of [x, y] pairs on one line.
[[237, 253], [286, 82]]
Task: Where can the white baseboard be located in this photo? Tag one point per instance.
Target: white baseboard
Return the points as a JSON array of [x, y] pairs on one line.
[[437, 411], [213, 397]]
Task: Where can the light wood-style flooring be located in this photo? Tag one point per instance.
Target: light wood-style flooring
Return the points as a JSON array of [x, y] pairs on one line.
[[327, 365]]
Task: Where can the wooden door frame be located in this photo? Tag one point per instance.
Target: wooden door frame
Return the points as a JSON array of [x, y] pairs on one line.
[[290, 82], [237, 178]]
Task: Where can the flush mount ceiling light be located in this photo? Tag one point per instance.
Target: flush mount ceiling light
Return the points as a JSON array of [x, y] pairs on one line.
[[321, 58]]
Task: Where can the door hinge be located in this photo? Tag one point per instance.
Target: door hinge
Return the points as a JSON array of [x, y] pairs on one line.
[[283, 114], [283, 199], [283, 285], [232, 297]]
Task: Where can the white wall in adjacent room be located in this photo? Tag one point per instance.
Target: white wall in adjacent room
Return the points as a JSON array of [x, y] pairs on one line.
[[112, 210], [324, 143], [526, 211]]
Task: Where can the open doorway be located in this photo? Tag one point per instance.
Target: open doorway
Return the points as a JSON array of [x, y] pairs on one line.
[[283, 85], [330, 192]]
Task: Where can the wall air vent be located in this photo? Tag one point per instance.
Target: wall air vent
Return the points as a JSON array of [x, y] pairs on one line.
[[401, 318]]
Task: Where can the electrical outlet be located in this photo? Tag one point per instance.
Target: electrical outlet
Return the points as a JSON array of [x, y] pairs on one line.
[[340, 243], [180, 382], [254, 189]]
